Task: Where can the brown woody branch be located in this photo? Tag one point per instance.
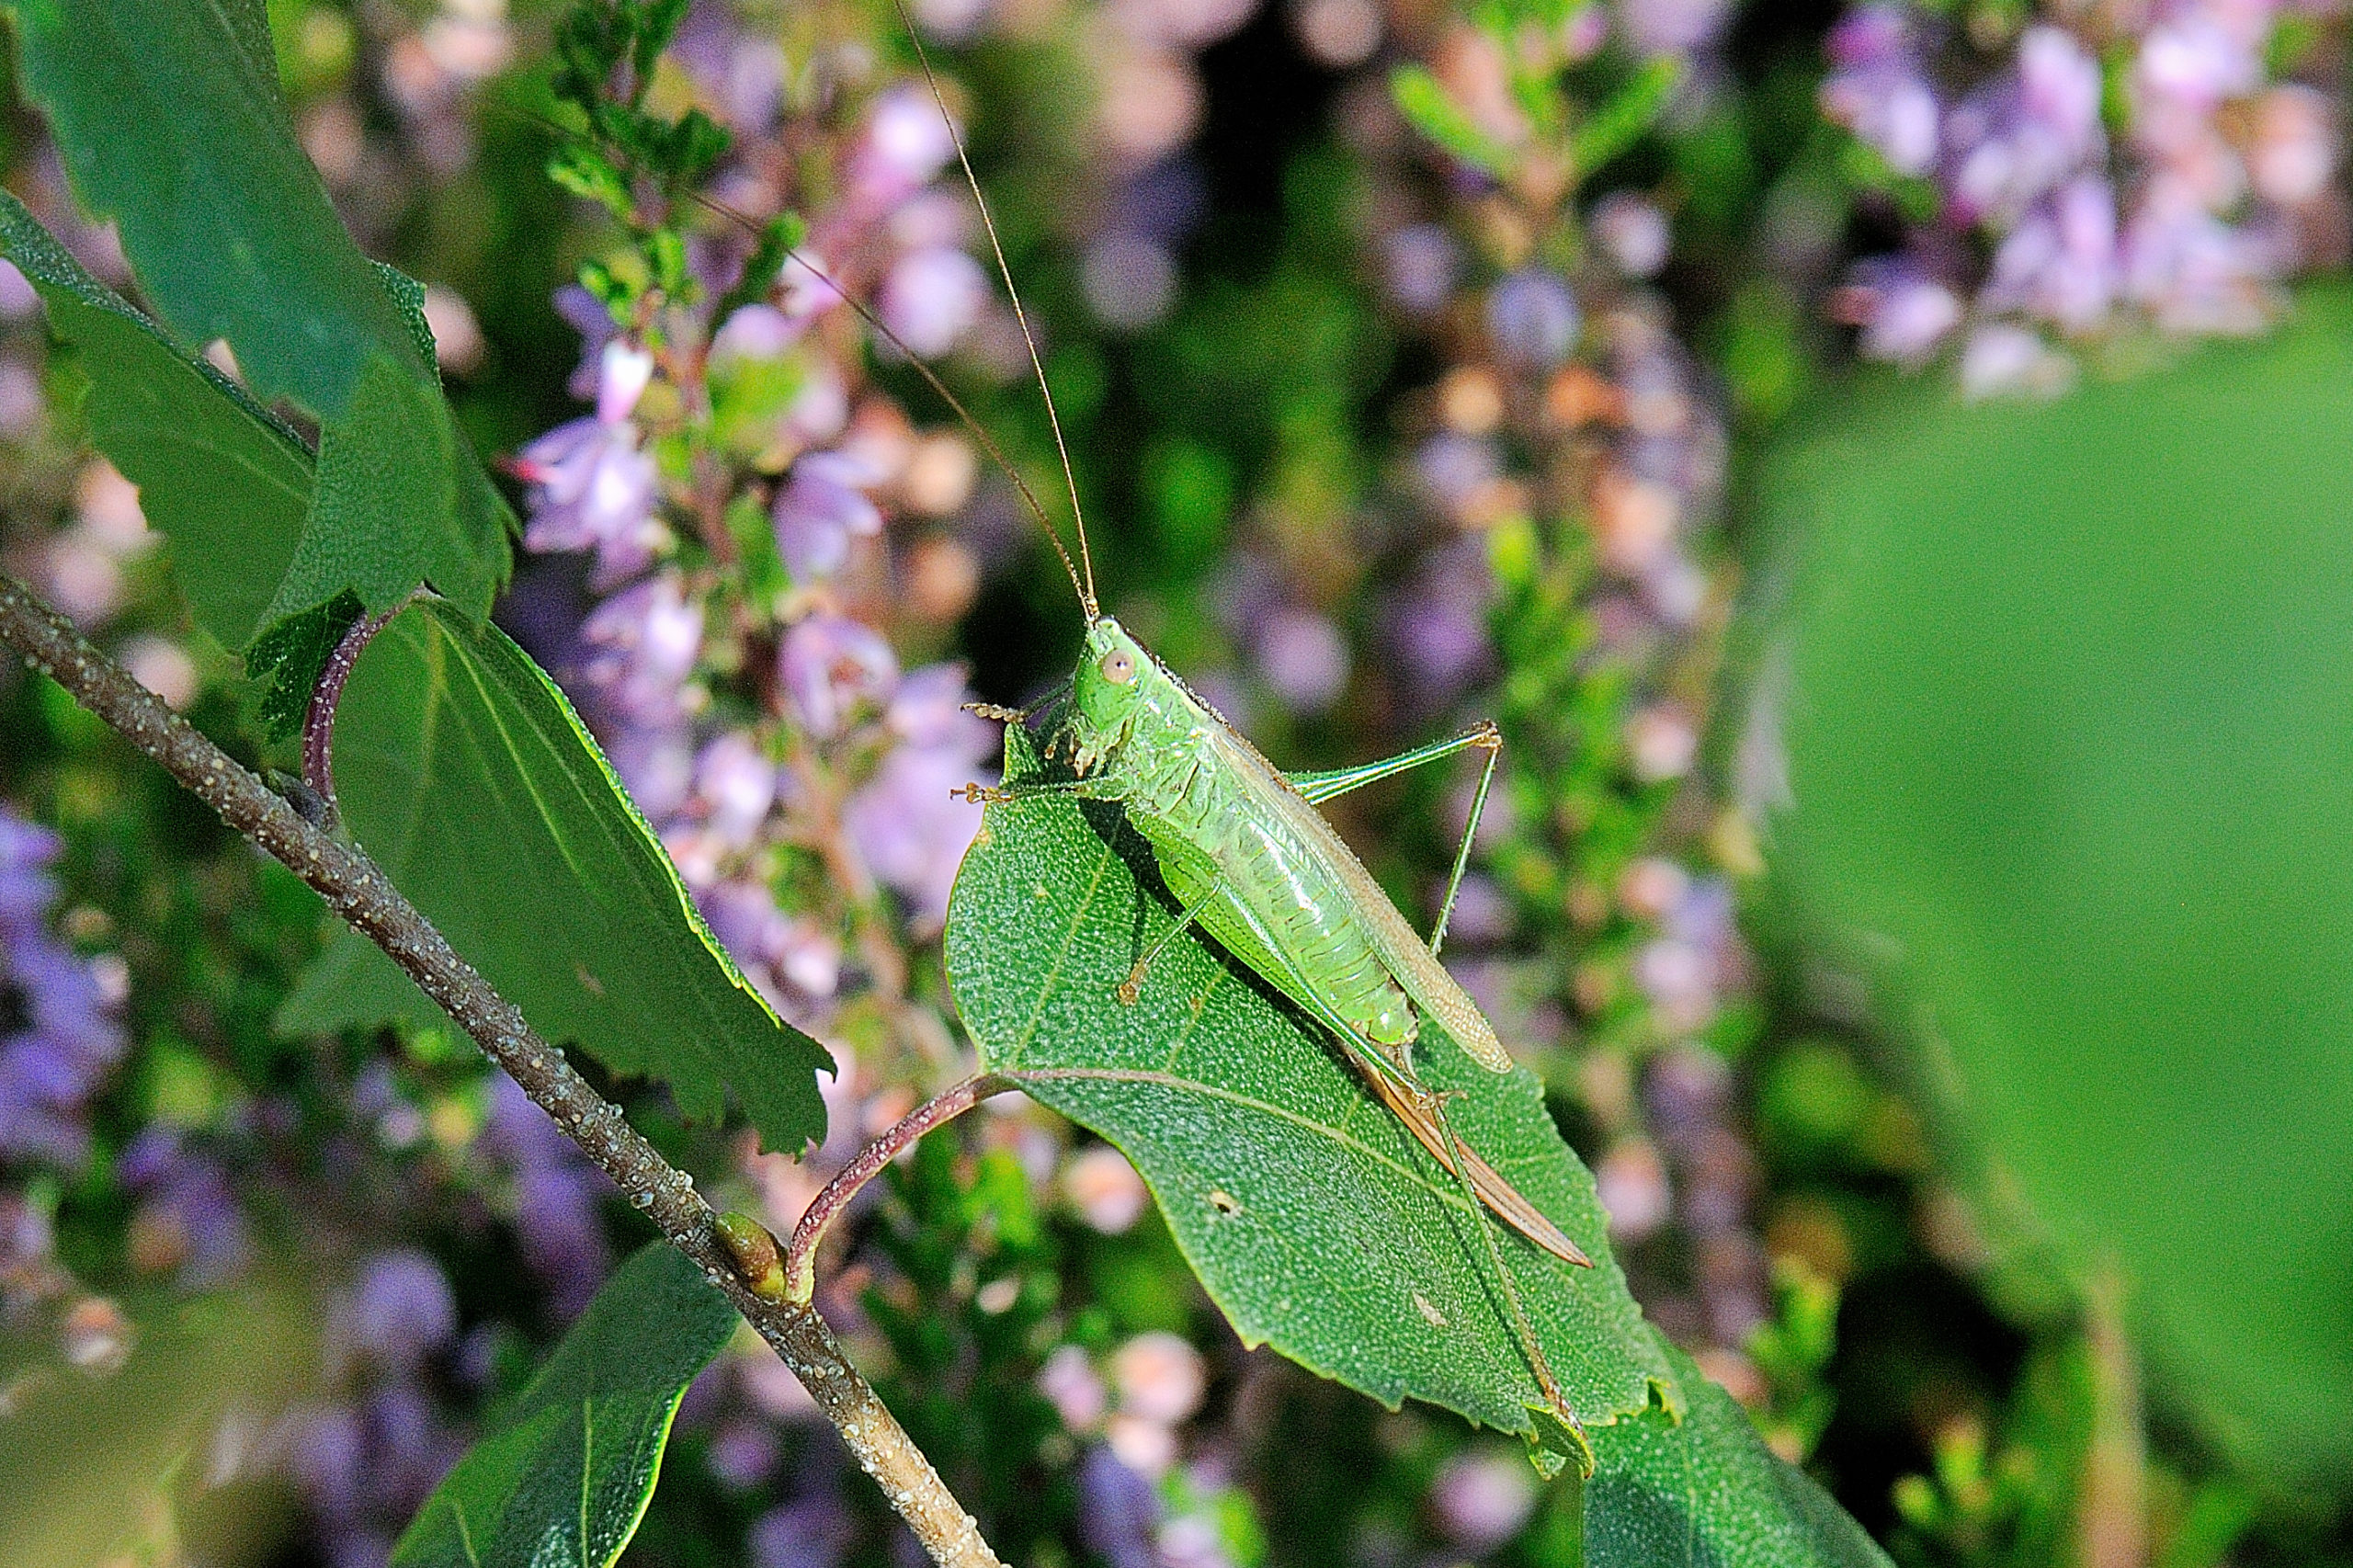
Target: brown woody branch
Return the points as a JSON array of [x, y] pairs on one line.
[[358, 889]]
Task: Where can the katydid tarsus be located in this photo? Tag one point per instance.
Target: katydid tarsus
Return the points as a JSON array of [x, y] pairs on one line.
[[1243, 852]]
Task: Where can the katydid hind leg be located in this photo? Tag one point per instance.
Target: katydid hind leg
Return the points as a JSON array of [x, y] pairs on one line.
[[1423, 1111], [1130, 988], [1397, 1088], [1324, 786], [1490, 739]]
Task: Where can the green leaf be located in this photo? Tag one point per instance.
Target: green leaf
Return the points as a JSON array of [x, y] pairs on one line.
[[568, 1466], [1423, 100], [228, 484], [170, 122], [1705, 1493], [286, 661], [393, 458], [97, 1461], [463, 771], [1619, 122], [1315, 1220], [2063, 689]]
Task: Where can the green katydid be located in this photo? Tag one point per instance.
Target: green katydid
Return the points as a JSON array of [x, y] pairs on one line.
[[1248, 858]]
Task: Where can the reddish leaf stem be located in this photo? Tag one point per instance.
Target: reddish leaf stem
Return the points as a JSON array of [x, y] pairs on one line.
[[801, 1255]]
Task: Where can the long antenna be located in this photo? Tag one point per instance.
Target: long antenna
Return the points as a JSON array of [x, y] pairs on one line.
[[931, 378], [1029, 338]]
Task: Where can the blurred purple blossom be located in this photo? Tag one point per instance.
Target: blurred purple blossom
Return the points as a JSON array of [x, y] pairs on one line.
[[1422, 261], [812, 1532], [906, 142], [66, 1037], [592, 488], [1533, 317], [398, 1310], [2188, 220], [1878, 89], [830, 666], [1118, 1511], [1302, 658], [931, 297], [2027, 133], [642, 644], [558, 1197], [185, 1218], [735, 783], [819, 509]]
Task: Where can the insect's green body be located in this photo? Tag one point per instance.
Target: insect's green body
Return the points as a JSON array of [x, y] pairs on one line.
[[1272, 881], [1247, 856]]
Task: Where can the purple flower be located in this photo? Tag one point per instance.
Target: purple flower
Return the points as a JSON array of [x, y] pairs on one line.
[[1533, 318], [1118, 1511], [1302, 658], [910, 827], [1422, 261], [1438, 626], [2193, 272], [1877, 90], [736, 784], [1672, 26], [755, 332], [26, 848], [814, 1532], [908, 141], [591, 487], [830, 666], [819, 509], [931, 297], [644, 642], [927, 710], [657, 765], [558, 1196], [68, 1038], [399, 1309], [1905, 311], [588, 315], [2061, 263], [2023, 135], [1632, 231], [187, 1217]]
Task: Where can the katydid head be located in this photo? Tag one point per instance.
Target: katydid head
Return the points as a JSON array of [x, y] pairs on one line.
[[1106, 685]]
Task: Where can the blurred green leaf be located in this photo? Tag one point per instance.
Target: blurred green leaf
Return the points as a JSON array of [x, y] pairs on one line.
[[465, 772], [2065, 692], [1317, 1223], [569, 1465], [1620, 120], [1423, 100], [1706, 1491], [91, 1458], [170, 122], [227, 482]]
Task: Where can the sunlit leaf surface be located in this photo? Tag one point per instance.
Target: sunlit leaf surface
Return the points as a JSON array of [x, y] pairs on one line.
[[463, 771]]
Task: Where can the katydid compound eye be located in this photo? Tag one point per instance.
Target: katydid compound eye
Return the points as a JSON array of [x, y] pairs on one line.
[[1119, 666]]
